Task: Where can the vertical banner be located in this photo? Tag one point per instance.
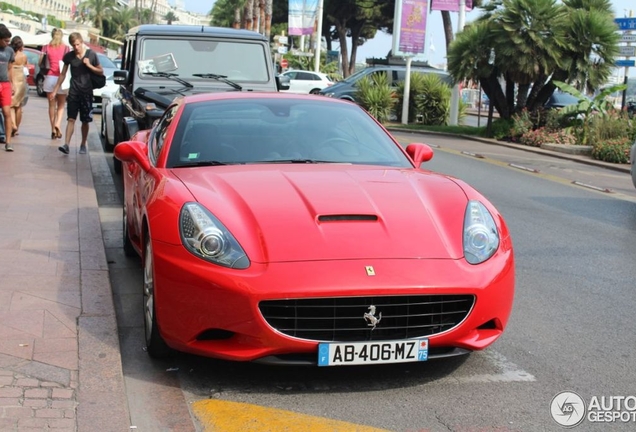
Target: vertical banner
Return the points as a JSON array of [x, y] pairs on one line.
[[302, 17], [409, 28], [450, 5]]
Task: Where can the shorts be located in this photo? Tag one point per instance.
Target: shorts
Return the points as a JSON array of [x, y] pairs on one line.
[[5, 93], [49, 85], [80, 103]]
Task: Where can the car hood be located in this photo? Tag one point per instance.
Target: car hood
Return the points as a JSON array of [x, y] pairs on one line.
[[333, 211]]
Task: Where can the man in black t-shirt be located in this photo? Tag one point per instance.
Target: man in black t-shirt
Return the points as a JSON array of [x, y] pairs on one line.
[[82, 63]]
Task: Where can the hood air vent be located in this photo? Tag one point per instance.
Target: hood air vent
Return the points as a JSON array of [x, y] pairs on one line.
[[347, 217]]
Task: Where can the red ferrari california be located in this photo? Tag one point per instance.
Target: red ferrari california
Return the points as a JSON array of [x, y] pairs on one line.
[[294, 229]]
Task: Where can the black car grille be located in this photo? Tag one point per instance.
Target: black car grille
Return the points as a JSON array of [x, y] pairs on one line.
[[342, 318]]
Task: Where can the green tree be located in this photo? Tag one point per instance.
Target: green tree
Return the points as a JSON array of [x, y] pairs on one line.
[[528, 44], [96, 11], [358, 20], [120, 21], [146, 16], [170, 17]]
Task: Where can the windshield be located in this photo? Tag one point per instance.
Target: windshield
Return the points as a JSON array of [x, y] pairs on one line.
[[280, 130], [239, 61], [106, 62]]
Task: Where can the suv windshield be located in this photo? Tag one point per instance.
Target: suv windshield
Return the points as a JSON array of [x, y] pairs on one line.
[[236, 60]]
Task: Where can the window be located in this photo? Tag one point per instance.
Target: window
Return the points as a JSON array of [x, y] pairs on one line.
[[159, 133], [238, 60]]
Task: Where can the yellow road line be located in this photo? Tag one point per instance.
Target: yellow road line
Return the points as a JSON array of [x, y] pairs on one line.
[[224, 416], [542, 175]]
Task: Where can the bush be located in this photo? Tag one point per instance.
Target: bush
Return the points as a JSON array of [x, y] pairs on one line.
[[376, 96], [429, 100], [543, 135], [500, 128], [612, 150], [521, 124]]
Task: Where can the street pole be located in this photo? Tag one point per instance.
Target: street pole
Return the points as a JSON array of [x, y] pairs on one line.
[[407, 91], [318, 38], [455, 95], [626, 79]]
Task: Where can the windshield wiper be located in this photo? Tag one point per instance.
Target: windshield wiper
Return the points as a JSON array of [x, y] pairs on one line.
[[222, 78], [171, 76], [199, 164]]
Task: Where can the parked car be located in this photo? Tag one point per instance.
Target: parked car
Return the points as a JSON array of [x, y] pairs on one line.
[[109, 69], [306, 82], [559, 99], [346, 89], [406, 264], [107, 128], [163, 62], [33, 57]]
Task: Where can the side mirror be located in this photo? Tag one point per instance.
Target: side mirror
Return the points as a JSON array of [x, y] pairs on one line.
[[120, 77], [419, 153], [133, 151], [282, 82]]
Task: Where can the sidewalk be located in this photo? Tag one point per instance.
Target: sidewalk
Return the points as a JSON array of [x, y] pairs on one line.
[[60, 364]]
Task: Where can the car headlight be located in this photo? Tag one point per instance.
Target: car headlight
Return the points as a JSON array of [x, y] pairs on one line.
[[206, 237], [481, 238], [330, 94]]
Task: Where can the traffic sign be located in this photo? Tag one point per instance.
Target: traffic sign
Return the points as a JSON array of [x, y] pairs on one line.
[[625, 23], [627, 51], [283, 63], [626, 63], [627, 38]]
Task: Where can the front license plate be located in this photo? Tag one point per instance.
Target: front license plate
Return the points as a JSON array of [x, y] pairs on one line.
[[357, 353]]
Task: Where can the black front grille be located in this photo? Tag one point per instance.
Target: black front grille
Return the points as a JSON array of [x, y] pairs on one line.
[[342, 318]]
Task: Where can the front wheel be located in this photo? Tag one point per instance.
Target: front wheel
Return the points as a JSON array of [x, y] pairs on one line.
[[155, 345], [129, 250], [39, 85]]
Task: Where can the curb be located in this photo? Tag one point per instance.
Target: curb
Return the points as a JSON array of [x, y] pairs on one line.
[[625, 168]]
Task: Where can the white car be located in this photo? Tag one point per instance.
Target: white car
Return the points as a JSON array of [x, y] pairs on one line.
[[109, 68], [107, 130], [306, 82]]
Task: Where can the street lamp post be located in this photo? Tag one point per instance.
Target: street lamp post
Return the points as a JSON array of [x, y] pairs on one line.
[[455, 95], [318, 38]]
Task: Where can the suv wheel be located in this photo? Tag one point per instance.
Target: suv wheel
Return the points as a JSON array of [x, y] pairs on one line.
[[39, 85]]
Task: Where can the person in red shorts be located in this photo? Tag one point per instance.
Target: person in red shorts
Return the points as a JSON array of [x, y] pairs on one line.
[[7, 57]]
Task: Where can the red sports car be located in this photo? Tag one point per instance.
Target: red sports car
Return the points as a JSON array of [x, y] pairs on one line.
[[294, 229]]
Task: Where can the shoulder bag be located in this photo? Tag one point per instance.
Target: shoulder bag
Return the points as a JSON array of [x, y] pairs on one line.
[[45, 62], [97, 81]]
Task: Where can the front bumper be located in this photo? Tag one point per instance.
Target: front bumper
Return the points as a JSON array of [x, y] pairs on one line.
[[212, 311]]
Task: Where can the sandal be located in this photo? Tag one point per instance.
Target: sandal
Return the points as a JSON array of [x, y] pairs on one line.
[[58, 132], [53, 135], [14, 132]]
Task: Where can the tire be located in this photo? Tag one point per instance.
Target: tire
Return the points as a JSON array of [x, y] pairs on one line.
[[117, 165], [156, 347], [39, 85], [129, 250]]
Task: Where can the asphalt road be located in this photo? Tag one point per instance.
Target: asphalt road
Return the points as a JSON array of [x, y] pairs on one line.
[[571, 327]]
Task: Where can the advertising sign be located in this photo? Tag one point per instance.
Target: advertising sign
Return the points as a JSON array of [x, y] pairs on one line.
[[302, 17], [450, 5], [409, 28], [626, 23]]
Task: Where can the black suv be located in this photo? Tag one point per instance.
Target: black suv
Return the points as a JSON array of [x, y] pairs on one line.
[[346, 89], [161, 62]]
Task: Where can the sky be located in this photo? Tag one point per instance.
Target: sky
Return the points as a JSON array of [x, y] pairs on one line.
[[436, 45]]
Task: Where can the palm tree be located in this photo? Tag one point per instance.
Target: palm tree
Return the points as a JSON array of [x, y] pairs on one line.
[[98, 11], [121, 20], [170, 17], [269, 6], [530, 43]]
